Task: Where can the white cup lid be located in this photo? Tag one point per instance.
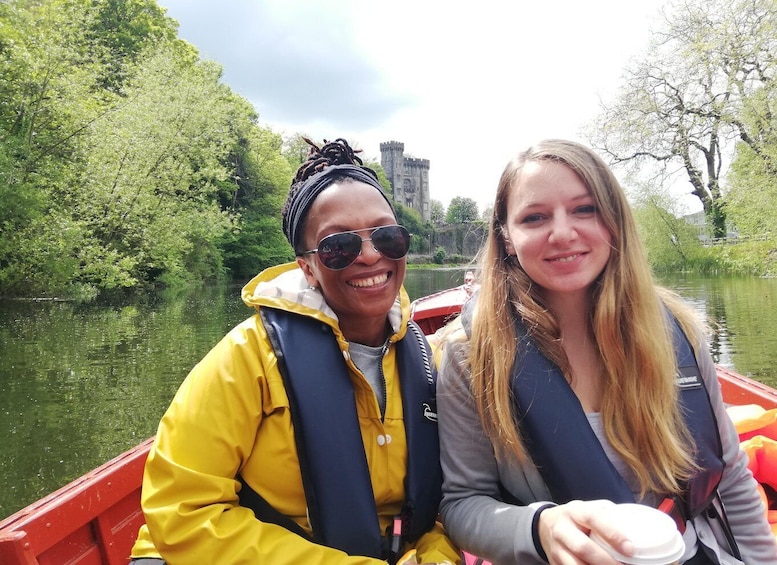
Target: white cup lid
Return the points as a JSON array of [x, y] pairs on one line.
[[653, 533]]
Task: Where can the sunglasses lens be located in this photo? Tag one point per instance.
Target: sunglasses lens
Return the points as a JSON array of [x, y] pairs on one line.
[[393, 242], [339, 250]]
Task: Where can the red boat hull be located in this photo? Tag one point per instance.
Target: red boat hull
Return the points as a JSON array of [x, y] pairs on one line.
[[94, 519]]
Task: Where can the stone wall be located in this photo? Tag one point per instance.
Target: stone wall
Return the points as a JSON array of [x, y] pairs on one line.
[[460, 239]]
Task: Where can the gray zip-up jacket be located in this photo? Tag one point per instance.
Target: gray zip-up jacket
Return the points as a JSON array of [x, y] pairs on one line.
[[477, 520]]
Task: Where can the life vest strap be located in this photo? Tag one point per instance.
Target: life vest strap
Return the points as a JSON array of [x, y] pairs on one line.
[[341, 503], [558, 435]]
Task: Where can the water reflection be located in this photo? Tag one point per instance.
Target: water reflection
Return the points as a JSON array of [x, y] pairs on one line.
[[79, 384], [742, 315], [422, 282]]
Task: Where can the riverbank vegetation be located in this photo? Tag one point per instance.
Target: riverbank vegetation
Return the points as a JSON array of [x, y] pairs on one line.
[[674, 245], [126, 163]]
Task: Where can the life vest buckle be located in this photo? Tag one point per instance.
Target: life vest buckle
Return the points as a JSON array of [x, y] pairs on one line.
[[393, 540], [396, 535]]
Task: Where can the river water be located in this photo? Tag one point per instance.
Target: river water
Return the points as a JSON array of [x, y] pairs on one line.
[[80, 383]]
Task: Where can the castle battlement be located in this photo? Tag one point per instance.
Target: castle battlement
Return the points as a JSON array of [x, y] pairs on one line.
[[414, 162], [392, 145]]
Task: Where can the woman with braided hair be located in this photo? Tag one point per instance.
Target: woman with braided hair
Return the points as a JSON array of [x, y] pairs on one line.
[[308, 434]]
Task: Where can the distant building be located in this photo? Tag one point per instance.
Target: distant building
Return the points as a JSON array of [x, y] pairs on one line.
[[409, 177], [699, 221]]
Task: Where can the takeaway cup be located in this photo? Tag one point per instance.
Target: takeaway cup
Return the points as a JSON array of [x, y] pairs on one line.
[[653, 533]]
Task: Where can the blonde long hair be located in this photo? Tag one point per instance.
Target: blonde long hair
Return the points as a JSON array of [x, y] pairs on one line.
[[640, 411]]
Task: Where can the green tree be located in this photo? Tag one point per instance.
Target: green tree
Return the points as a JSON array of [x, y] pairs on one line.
[[461, 210], [683, 103], [124, 161], [295, 149], [382, 178], [410, 218], [49, 96], [751, 202], [436, 212], [125, 28], [671, 243], [260, 187], [150, 199]]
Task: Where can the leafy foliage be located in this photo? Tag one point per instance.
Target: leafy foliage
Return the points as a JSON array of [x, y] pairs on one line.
[[461, 210], [125, 29], [259, 188], [382, 178], [48, 98], [751, 202], [672, 244], [295, 149], [709, 67], [150, 195], [124, 161], [437, 212]]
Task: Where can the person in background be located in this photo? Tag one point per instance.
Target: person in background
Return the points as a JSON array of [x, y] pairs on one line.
[[307, 435], [572, 382], [469, 283]]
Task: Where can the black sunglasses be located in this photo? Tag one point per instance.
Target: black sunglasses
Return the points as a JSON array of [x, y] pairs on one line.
[[339, 250]]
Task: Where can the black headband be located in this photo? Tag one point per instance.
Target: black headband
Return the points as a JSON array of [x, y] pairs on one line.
[[302, 199]]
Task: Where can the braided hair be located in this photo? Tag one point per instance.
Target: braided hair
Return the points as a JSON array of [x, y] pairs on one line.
[[334, 161], [336, 152]]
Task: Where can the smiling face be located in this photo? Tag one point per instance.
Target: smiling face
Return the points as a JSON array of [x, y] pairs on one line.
[[362, 293], [554, 228]]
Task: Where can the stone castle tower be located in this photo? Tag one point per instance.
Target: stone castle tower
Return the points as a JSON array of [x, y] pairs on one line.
[[409, 177]]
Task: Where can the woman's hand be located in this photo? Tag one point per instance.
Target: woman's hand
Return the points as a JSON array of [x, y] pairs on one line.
[[564, 533]]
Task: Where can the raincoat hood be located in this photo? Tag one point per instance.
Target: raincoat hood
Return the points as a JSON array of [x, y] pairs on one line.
[[285, 287]]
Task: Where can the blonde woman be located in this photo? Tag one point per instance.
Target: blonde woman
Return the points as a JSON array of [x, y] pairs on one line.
[[574, 383]]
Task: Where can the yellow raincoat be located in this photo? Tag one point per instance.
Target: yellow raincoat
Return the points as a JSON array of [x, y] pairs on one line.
[[231, 415]]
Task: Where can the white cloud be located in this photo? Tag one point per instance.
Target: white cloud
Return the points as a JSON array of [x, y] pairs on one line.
[[465, 85]]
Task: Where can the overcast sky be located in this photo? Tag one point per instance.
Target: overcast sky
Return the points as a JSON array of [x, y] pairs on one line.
[[463, 84]]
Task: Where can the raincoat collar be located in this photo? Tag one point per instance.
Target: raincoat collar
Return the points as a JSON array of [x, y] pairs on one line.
[[285, 287]]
